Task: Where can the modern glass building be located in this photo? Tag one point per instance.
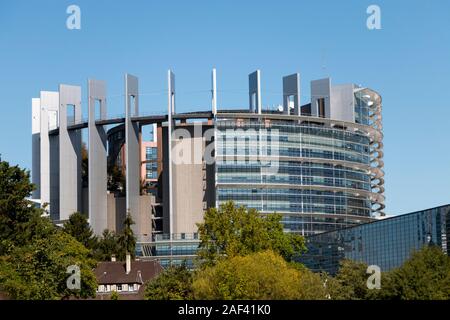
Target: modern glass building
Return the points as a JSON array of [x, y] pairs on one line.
[[386, 243], [323, 171], [319, 164], [182, 248]]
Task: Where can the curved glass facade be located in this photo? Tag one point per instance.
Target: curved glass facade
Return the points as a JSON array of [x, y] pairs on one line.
[[319, 176], [386, 243]]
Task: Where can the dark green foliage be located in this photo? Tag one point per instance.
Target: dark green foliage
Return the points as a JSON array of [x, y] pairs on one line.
[[35, 254], [107, 245], [231, 231], [78, 227], [174, 283], [425, 276], [127, 240], [350, 282]]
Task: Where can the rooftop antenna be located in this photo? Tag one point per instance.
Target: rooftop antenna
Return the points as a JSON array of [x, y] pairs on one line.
[[324, 62]]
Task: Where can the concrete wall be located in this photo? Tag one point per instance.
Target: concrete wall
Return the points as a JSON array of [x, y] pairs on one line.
[[97, 157], [132, 149], [291, 88], [69, 152], [36, 146], [117, 213], [193, 180], [49, 165], [321, 89], [343, 102], [339, 99]]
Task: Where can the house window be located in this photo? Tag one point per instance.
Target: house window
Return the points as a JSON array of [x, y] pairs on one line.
[[119, 287]]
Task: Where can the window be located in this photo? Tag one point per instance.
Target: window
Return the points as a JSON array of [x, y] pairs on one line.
[[119, 287], [70, 109], [321, 107]]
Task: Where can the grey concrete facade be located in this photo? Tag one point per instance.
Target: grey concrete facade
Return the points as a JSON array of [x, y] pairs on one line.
[[320, 89], [193, 179], [184, 190], [97, 157], [49, 166], [254, 91], [339, 99], [36, 146], [170, 126], [69, 151], [132, 149], [291, 94], [343, 102]]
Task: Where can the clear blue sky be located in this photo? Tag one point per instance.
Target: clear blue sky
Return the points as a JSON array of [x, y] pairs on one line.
[[408, 62]]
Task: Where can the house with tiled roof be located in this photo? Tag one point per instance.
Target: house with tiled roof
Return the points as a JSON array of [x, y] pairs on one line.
[[126, 278]]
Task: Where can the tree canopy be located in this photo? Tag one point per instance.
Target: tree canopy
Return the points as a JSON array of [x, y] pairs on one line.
[[174, 283], [34, 253], [231, 231], [350, 283], [425, 276], [78, 227], [262, 275], [127, 240]]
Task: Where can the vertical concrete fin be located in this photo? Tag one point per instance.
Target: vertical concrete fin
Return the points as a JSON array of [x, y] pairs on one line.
[[132, 152], [97, 157], [69, 151], [214, 92], [321, 89], [36, 147], [49, 152], [291, 89], [254, 91], [171, 111]]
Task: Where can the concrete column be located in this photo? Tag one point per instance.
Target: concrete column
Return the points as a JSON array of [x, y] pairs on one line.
[[291, 88], [214, 92], [171, 124], [36, 146], [49, 152], [132, 152], [97, 157], [254, 91], [69, 151], [321, 89]]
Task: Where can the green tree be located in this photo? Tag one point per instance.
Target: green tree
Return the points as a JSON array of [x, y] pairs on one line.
[[231, 231], [127, 240], [116, 179], [174, 283], [114, 295], [15, 210], [425, 276], [38, 270], [262, 275], [84, 165], [78, 227], [35, 253], [350, 283], [107, 245]]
